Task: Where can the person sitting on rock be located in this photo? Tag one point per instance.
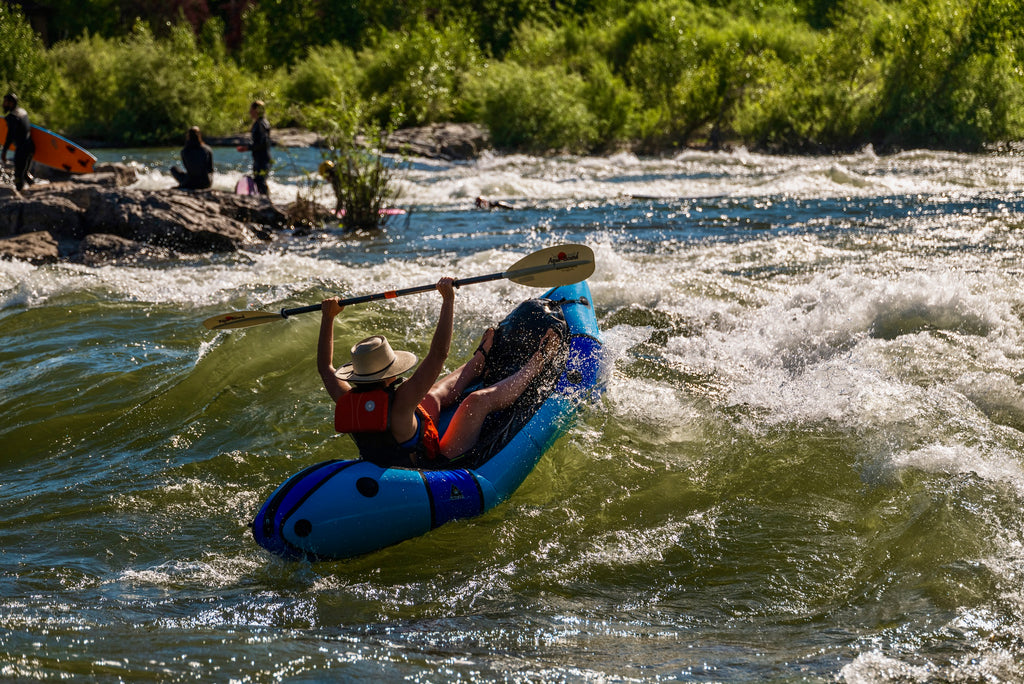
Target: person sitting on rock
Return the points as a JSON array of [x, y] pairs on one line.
[[198, 160]]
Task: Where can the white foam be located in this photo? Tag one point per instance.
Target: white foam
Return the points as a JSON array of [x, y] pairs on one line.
[[527, 180], [873, 667]]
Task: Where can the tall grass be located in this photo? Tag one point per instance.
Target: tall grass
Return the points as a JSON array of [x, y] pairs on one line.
[[364, 182]]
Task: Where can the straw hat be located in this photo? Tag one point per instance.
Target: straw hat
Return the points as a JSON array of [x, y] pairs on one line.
[[373, 359]]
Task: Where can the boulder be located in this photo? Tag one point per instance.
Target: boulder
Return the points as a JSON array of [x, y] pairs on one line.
[[252, 209], [57, 215], [166, 221], [38, 248], [102, 248], [124, 174], [114, 175], [279, 137], [449, 141], [182, 220]]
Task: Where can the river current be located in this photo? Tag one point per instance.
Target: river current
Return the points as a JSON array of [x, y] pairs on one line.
[[808, 463]]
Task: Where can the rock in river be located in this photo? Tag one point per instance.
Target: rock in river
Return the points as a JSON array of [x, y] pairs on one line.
[[55, 221]]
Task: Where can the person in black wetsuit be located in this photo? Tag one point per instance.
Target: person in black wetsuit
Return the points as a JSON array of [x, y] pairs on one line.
[[259, 145], [19, 135], [198, 160], [484, 203]]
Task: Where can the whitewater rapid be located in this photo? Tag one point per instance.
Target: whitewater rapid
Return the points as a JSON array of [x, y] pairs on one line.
[[808, 463]]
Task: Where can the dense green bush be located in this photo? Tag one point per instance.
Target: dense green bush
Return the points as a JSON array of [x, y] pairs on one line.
[[830, 96], [579, 75], [536, 109], [613, 105], [954, 74], [695, 68], [144, 90], [580, 50], [327, 73], [87, 90], [24, 68], [320, 86], [418, 76]]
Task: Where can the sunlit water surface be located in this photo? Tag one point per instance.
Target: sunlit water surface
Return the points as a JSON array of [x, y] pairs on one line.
[[807, 464]]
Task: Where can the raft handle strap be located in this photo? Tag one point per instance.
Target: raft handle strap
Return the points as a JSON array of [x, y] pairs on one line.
[[562, 302]]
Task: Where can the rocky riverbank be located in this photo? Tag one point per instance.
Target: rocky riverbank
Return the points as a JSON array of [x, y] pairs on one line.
[[98, 218]]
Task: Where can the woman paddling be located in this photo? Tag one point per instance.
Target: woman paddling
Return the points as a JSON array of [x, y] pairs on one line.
[[393, 422]]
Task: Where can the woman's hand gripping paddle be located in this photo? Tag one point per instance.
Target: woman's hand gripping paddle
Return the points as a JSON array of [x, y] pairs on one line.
[[550, 267]]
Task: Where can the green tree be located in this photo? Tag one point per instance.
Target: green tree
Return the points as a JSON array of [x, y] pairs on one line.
[[70, 19], [496, 21], [145, 90], [573, 74], [954, 77], [23, 62], [417, 77], [278, 32]]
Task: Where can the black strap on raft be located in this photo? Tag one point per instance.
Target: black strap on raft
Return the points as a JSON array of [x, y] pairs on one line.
[[562, 302]]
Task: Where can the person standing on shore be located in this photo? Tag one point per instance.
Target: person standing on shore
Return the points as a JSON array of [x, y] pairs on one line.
[[19, 135], [198, 160], [259, 145]]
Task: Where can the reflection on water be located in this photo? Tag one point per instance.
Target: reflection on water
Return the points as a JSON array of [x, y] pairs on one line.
[[807, 463]]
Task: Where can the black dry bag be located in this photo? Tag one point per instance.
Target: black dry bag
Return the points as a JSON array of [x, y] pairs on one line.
[[518, 337]]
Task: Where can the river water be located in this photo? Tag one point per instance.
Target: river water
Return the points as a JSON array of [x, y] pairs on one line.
[[808, 463]]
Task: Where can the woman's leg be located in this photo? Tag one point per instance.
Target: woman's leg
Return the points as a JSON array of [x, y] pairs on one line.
[[180, 177], [464, 428]]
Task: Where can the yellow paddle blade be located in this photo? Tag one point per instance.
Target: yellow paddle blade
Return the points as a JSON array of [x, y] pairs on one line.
[[553, 266]]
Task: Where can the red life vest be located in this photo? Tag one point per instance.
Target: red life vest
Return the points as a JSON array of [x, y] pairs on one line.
[[366, 411], [365, 414]]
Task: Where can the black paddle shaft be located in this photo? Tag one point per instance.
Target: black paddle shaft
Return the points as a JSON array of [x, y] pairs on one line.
[[511, 275], [362, 299]]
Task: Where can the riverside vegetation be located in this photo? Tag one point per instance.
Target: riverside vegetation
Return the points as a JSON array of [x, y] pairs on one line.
[[582, 76]]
